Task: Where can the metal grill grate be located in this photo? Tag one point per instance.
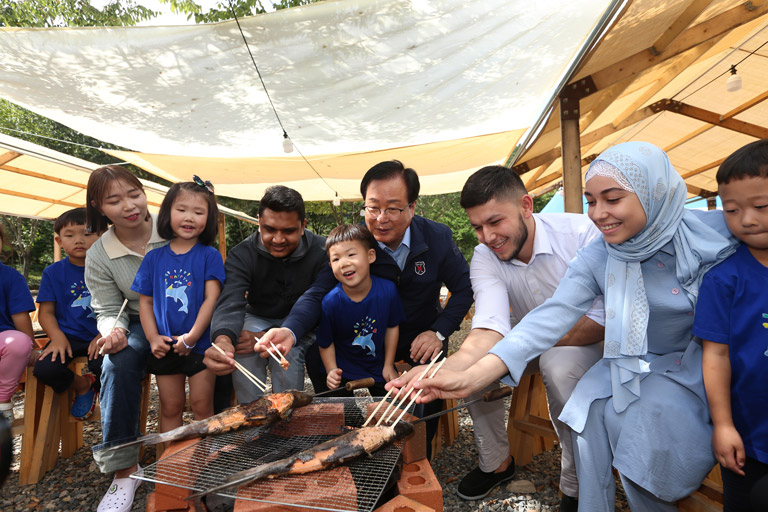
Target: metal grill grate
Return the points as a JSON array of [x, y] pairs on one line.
[[355, 486]]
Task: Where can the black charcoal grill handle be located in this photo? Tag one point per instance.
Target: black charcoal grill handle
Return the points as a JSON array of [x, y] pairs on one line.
[[490, 396]]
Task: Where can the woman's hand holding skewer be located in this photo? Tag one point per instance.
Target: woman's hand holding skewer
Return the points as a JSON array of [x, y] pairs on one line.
[[462, 383]]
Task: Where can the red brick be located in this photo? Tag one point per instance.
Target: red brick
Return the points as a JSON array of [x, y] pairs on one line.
[[170, 497], [419, 483], [403, 504], [304, 421], [321, 489], [415, 445]]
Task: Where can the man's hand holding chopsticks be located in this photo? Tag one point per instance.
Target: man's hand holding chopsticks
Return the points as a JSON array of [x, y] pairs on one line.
[[218, 363]]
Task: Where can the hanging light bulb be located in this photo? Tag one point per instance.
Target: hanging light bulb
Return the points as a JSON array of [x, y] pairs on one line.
[[287, 144], [733, 83], [336, 200]]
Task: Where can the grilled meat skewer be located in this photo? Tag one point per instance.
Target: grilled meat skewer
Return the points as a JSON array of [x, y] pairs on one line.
[[337, 451], [263, 411], [334, 452]]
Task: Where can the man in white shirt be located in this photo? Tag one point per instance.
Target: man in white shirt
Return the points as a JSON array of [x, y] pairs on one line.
[[520, 260]]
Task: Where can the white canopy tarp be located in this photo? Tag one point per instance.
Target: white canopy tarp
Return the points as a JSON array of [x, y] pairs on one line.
[[354, 82]]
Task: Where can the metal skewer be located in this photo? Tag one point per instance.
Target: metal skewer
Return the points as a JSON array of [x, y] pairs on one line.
[[125, 302], [246, 372]]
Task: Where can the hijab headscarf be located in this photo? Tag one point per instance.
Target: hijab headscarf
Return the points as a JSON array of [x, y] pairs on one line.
[[662, 193]]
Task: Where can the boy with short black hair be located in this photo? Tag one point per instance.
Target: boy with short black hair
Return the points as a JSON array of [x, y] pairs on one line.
[[732, 320], [358, 331], [67, 317]]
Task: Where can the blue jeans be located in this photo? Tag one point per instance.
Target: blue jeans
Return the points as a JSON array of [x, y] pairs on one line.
[[292, 378], [121, 376]]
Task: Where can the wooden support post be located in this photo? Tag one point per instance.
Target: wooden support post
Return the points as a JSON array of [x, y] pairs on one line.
[[569, 127], [712, 203], [56, 251], [222, 236]]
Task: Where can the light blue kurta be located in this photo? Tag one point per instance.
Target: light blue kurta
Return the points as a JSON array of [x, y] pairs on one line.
[[664, 447]]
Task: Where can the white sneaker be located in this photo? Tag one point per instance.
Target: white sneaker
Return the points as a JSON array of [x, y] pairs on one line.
[[119, 496]]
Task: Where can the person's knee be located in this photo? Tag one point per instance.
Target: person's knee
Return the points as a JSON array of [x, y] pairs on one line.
[[173, 408], [17, 344]]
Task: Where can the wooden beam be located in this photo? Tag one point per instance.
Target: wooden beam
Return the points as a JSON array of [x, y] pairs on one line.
[[39, 175], [696, 191], [712, 118], [569, 129], [537, 174], [706, 32], [39, 198], [223, 236], [703, 168], [687, 17], [8, 156], [747, 105]]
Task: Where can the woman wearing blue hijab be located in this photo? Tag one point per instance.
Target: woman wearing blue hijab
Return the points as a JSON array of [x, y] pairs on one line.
[[641, 409]]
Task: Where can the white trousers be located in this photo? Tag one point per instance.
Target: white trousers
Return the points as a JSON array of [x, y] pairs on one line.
[[561, 368]]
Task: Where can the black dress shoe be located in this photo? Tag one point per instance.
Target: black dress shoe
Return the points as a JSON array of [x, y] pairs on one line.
[[478, 484], [569, 504]]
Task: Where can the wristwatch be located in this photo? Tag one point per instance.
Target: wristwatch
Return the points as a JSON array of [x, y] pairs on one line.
[[439, 336]]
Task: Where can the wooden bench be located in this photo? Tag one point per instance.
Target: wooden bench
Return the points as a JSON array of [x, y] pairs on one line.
[[47, 424], [530, 432]]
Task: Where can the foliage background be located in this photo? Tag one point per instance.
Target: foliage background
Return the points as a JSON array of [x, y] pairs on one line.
[[29, 243]]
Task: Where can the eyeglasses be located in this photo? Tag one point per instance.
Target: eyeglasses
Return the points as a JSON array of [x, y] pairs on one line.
[[205, 184], [392, 212]]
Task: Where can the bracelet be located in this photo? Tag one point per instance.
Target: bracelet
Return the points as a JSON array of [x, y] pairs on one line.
[[185, 343]]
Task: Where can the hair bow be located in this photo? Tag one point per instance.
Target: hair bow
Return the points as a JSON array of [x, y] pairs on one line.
[[205, 184]]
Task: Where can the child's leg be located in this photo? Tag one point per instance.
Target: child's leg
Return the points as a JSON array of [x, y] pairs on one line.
[[172, 400], [737, 489], [201, 387], [56, 373], [15, 347]]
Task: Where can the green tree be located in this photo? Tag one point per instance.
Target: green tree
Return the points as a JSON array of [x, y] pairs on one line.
[[222, 11], [29, 236]]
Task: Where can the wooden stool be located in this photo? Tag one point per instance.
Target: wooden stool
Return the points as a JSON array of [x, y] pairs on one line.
[[47, 423], [708, 498], [447, 427], [529, 428]]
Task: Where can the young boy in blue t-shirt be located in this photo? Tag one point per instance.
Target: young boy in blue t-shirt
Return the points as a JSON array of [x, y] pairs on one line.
[[358, 331], [67, 317], [732, 320]]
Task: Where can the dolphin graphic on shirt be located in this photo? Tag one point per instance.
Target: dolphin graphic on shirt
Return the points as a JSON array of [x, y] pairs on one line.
[[178, 294], [366, 343], [85, 303]]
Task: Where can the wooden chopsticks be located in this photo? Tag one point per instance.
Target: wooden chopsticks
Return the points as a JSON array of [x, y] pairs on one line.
[[246, 372]]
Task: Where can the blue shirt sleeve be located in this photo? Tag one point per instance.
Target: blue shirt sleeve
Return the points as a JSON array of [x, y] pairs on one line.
[[713, 308], [214, 266], [143, 282], [19, 297], [46, 293], [324, 333]]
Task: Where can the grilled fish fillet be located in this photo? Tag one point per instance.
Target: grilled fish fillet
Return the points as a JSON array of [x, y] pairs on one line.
[[337, 451], [265, 410]]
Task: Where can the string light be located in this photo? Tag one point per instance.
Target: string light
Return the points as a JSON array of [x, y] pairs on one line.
[[287, 144], [733, 83]]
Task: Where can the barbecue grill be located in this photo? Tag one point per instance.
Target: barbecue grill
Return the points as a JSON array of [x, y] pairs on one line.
[[353, 487]]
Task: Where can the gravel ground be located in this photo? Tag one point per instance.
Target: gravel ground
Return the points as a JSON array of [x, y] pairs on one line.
[[76, 484]]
